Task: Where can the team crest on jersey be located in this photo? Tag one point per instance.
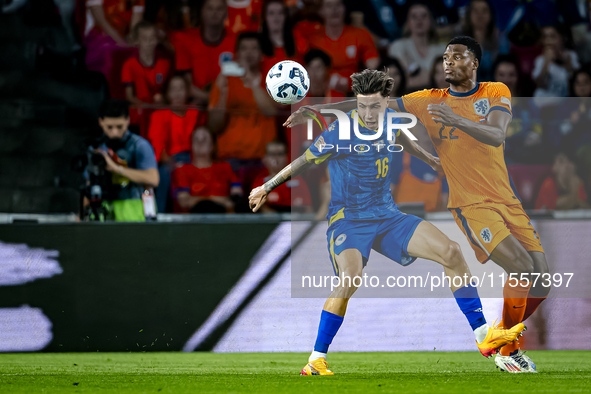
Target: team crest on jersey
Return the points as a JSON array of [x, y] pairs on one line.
[[319, 144], [481, 107], [486, 235], [351, 51], [332, 126], [340, 239]]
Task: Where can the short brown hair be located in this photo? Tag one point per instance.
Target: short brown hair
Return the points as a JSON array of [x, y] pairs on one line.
[[372, 81], [143, 24]]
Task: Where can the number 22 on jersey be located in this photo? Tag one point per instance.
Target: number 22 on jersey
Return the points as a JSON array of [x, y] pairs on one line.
[[442, 133]]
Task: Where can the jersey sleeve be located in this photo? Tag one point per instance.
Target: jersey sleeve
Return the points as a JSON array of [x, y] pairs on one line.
[[127, 73], [500, 99], [414, 103], [326, 145], [145, 156]]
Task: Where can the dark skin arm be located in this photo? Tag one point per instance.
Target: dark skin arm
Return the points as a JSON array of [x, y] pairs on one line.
[[492, 132], [258, 196]]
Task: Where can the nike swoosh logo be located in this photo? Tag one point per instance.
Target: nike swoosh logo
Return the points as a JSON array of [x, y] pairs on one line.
[[517, 307]]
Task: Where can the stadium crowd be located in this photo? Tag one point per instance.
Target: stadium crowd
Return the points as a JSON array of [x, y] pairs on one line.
[[194, 72]]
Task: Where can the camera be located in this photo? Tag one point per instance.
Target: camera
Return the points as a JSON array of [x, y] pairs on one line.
[[96, 185]]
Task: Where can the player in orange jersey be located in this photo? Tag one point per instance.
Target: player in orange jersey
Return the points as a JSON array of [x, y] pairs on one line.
[[467, 123]]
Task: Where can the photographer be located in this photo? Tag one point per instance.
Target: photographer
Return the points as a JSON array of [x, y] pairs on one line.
[[130, 162]]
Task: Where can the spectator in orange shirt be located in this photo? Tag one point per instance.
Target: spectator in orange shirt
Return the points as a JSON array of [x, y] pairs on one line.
[[244, 15], [564, 189], [241, 111], [292, 196], [108, 25], [200, 52], [205, 185], [277, 37], [170, 135], [347, 46], [144, 75]]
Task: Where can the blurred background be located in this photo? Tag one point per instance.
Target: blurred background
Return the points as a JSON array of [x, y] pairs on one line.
[[193, 73]]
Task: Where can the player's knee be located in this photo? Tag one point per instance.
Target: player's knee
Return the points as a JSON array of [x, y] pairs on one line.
[[452, 255], [523, 263]]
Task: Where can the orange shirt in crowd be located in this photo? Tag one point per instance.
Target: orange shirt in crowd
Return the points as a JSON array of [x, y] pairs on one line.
[[171, 133], [306, 29], [548, 194], [203, 60], [301, 47], [117, 13], [247, 131], [146, 80], [293, 193], [216, 180], [244, 15], [355, 46]]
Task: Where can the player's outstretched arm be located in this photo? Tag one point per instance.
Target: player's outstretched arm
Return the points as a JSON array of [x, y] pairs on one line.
[[299, 116], [417, 151], [492, 132], [258, 195]]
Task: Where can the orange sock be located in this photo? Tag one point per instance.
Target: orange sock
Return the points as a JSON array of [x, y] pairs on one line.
[[514, 306]]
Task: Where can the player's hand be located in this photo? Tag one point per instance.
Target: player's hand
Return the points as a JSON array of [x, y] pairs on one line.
[[298, 117], [445, 115], [258, 196], [436, 164]]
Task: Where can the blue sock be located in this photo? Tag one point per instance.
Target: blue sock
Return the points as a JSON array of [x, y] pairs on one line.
[[329, 325], [469, 302]]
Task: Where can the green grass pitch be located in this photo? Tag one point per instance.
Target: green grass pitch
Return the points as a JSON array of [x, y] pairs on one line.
[[408, 372]]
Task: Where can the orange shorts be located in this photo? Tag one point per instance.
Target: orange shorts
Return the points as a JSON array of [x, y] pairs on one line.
[[487, 224]]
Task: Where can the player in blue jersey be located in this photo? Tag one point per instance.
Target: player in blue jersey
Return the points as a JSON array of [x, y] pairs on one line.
[[363, 216]]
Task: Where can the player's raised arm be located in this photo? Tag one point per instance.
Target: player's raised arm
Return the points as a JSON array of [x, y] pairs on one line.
[[298, 117], [492, 132], [258, 196]]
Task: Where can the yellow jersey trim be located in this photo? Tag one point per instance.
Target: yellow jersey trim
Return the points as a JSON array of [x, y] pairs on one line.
[[318, 160], [332, 255], [337, 216]]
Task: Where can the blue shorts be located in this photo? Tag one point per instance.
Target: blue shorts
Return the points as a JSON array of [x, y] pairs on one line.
[[389, 237]]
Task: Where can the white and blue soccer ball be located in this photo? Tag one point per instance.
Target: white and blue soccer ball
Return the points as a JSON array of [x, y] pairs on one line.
[[287, 82]]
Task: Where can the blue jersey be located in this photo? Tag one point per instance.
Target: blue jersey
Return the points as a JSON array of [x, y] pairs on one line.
[[359, 171]]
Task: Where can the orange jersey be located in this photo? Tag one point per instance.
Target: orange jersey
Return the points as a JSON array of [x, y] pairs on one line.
[[146, 80], [203, 60], [476, 172], [244, 17], [353, 47]]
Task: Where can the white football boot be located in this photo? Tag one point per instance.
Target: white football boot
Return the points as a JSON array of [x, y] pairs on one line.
[[517, 362]]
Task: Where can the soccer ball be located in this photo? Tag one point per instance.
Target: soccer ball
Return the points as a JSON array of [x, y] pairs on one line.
[[287, 82]]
